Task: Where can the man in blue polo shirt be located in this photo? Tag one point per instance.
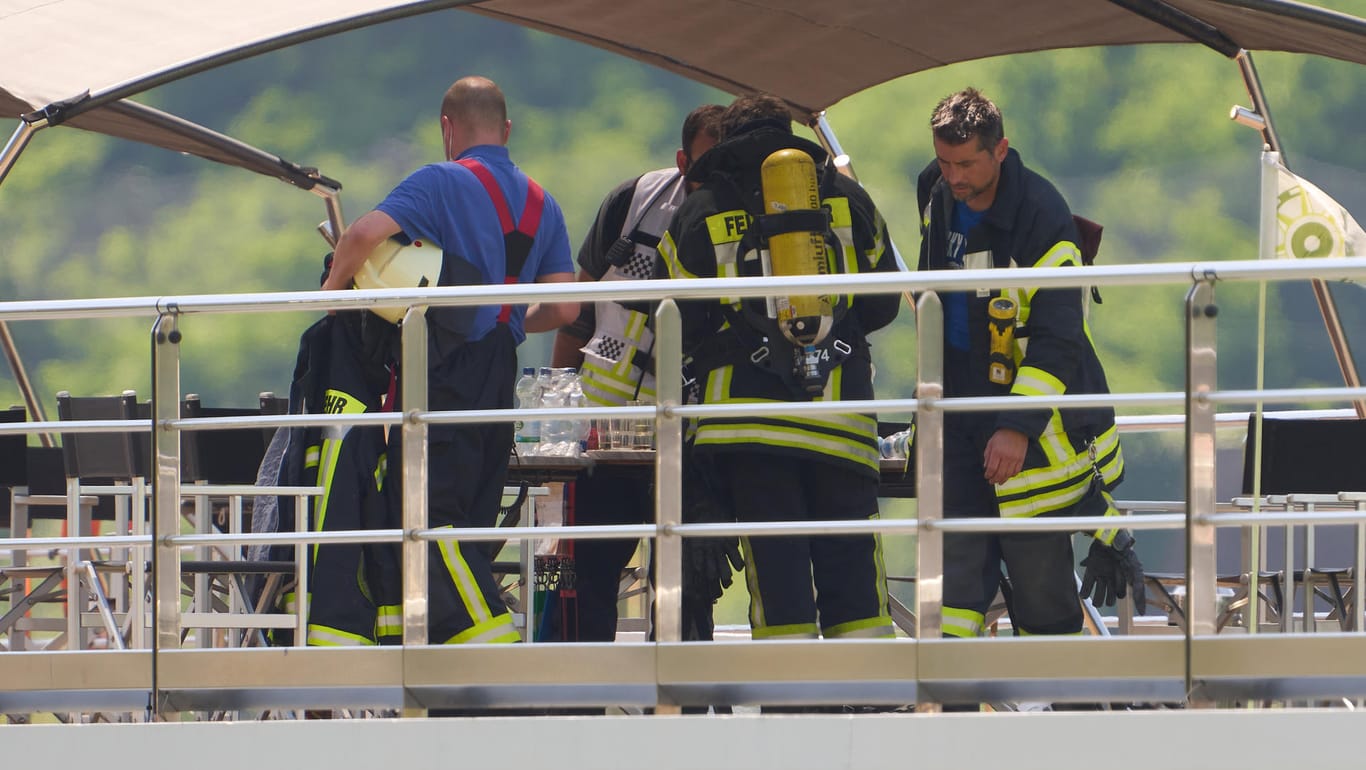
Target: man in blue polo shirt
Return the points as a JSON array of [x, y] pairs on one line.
[[494, 226]]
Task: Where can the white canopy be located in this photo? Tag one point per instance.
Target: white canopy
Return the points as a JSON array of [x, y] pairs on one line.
[[71, 60]]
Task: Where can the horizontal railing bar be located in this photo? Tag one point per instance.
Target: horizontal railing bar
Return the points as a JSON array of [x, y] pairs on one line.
[[884, 406], [1060, 523], [1343, 268], [1224, 420], [1156, 521], [1285, 395], [199, 490], [1283, 517]]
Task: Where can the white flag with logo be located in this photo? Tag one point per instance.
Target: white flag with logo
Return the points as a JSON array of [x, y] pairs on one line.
[[1311, 224]]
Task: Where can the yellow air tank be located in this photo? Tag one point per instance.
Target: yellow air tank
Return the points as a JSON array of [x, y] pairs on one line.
[[788, 179]]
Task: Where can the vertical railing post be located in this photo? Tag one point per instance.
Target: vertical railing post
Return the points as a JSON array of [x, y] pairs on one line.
[[166, 496], [668, 547], [1201, 370], [929, 472], [414, 440]]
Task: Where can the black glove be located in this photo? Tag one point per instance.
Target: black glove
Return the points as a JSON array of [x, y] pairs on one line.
[[707, 566], [1112, 571]]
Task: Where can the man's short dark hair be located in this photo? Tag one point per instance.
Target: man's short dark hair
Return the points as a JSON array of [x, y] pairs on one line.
[[703, 120], [967, 114], [755, 108]]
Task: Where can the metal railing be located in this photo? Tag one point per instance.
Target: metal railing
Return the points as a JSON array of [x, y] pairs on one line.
[[1197, 667]]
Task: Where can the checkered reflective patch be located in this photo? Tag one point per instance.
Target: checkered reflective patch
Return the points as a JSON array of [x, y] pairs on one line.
[[640, 267], [610, 348]]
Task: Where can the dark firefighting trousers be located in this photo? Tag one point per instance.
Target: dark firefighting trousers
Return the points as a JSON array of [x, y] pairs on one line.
[[1039, 566], [850, 597], [617, 496], [466, 470]]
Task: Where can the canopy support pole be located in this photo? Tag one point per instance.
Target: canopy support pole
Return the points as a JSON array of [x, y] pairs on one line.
[[826, 136], [332, 200], [1259, 117], [8, 157]]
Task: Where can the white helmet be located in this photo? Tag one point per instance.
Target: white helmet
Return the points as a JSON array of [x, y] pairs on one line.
[[393, 265]]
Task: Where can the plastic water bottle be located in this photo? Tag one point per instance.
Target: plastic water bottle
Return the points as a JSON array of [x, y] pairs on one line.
[[581, 426], [528, 432], [543, 386], [556, 432], [895, 446]]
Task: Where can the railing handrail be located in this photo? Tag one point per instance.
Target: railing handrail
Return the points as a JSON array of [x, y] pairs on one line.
[[1180, 273]]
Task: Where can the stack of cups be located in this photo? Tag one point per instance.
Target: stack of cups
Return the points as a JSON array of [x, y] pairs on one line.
[[630, 432]]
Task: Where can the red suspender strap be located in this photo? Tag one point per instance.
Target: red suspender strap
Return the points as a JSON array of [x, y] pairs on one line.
[[517, 238], [495, 192]]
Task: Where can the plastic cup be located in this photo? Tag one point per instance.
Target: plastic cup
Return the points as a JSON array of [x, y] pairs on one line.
[[642, 429], [619, 433]]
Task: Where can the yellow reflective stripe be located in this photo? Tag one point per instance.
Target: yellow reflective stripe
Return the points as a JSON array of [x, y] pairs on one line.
[[334, 402], [835, 384], [963, 623], [728, 266], [842, 223], [1107, 536], [1054, 442], [874, 254], [839, 211], [1045, 502], [668, 251], [1033, 381], [793, 631], [1066, 482], [497, 630], [635, 327], [311, 455], [606, 386], [1062, 254], [880, 565], [465, 582], [718, 384], [867, 628], [1110, 455], [756, 598], [727, 226], [389, 620], [879, 627], [789, 436], [323, 636]]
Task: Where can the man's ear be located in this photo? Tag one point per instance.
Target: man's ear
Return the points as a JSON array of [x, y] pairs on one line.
[[507, 131], [1000, 152], [681, 158]]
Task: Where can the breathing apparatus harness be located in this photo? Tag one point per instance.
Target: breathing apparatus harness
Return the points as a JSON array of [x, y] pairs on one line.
[[798, 339]]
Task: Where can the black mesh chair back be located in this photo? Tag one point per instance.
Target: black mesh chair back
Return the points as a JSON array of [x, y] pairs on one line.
[[14, 451], [221, 455], [13, 461], [115, 456]]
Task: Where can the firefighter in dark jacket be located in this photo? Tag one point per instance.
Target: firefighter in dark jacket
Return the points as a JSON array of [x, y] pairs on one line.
[[982, 209], [788, 468]]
